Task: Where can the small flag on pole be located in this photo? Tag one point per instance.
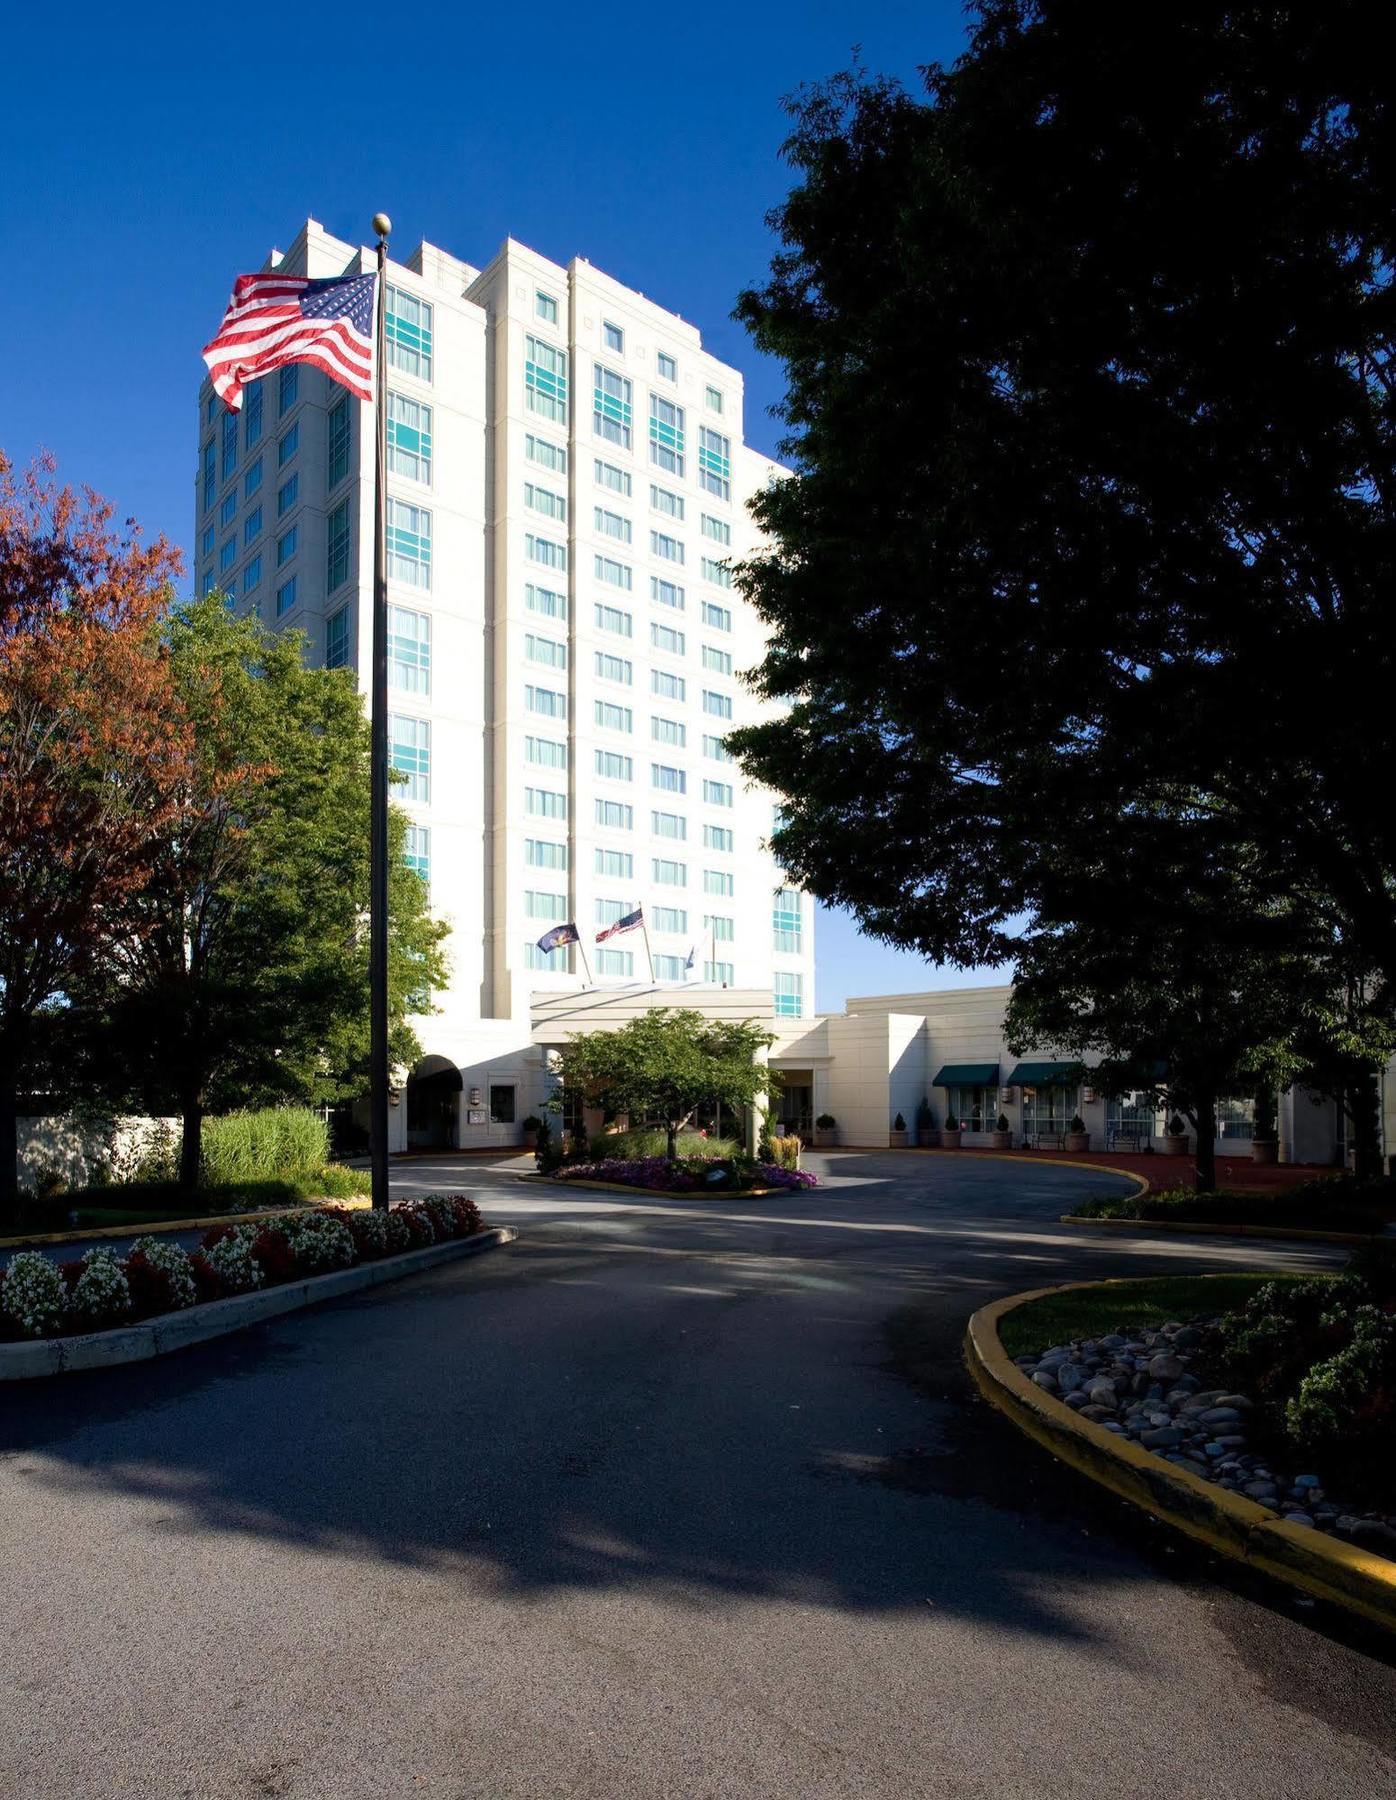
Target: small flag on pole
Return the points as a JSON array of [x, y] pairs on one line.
[[692, 953], [631, 922], [558, 936], [277, 319]]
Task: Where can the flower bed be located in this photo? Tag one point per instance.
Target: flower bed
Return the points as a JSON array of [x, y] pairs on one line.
[[42, 1298], [687, 1174]]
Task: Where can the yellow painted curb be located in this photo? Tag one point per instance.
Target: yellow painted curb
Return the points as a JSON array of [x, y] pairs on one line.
[[1228, 1523], [153, 1227], [628, 1187], [1210, 1228]]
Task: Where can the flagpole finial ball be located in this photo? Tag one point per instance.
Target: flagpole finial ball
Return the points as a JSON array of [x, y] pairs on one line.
[[382, 224]]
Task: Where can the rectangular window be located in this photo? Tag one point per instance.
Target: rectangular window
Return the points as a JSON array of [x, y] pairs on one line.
[[719, 705], [337, 548], [409, 650], [548, 601], [544, 550], [286, 596], [614, 718], [611, 410], [209, 539], [210, 473], [718, 973], [615, 815], [614, 668], [611, 912], [614, 574], [548, 651], [787, 933], [664, 637], [416, 850], [546, 307], [668, 779], [251, 525], [713, 398], [252, 479], [715, 749], [545, 803], [615, 962], [229, 456], [615, 865], [717, 793], [669, 919], [546, 454], [668, 874], [409, 544], [612, 336], [288, 388], [717, 881], [609, 476], [545, 380], [670, 968], [287, 445], [336, 631], [539, 853], [252, 413], [286, 546], [407, 328], [286, 496], [667, 686], [612, 524], [719, 661], [544, 500], [556, 962], [661, 544], [668, 825], [545, 701], [717, 529], [229, 509], [718, 617], [717, 837], [541, 905], [718, 573], [669, 731], [789, 994], [666, 365], [720, 927], [612, 766], [663, 501], [502, 1105], [666, 593], [409, 752], [546, 753], [226, 554], [409, 438], [251, 574], [611, 618], [666, 435]]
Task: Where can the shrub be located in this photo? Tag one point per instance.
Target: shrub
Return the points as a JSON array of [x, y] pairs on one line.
[[417, 1222], [1344, 1411], [397, 1231], [232, 1263], [533, 1123], [276, 1141], [368, 1229], [787, 1152], [826, 1122], [273, 1252], [34, 1295], [628, 1145], [1002, 1124], [318, 1242], [899, 1123], [101, 1296], [925, 1119], [467, 1215], [160, 1278], [951, 1122], [1077, 1125], [1176, 1127], [548, 1151]]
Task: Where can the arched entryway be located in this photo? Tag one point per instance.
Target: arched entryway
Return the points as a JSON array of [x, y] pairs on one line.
[[433, 1104]]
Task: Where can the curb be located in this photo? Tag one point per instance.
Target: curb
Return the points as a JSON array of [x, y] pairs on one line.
[[83, 1234], [628, 1187], [1227, 1523], [1210, 1228], [216, 1318], [1026, 1159]]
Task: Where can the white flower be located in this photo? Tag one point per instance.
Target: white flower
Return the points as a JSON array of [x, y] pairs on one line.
[[34, 1295]]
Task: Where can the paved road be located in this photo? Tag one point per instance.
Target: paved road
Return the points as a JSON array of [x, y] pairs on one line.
[[664, 1501]]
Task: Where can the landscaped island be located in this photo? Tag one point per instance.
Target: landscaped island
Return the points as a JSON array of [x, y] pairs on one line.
[[1328, 1203], [689, 1174]]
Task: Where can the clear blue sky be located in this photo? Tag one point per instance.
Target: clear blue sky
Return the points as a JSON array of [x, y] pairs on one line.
[[151, 155]]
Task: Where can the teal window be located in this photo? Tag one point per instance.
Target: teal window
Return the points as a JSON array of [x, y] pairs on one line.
[[409, 753], [614, 718], [615, 815], [336, 635], [229, 457], [407, 328], [252, 413], [668, 874], [666, 593], [547, 753], [546, 701], [286, 496], [609, 476], [611, 618], [549, 651], [719, 617], [227, 551], [716, 572], [611, 409], [615, 963], [286, 596], [545, 380], [664, 637], [251, 525], [288, 388], [409, 438], [667, 367], [670, 548], [251, 574], [616, 865], [547, 601], [717, 529], [666, 435], [614, 668], [286, 546], [670, 968], [546, 307], [210, 473], [667, 778], [719, 661], [613, 573], [715, 749], [544, 550], [720, 927], [287, 445], [718, 837], [717, 881], [719, 705], [789, 994], [787, 923], [409, 650], [337, 548], [339, 430], [545, 453], [669, 825], [612, 336], [409, 544], [416, 850], [612, 766], [539, 853], [228, 511], [717, 793], [669, 919], [545, 501], [669, 731], [252, 478], [718, 973], [545, 803], [539, 904]]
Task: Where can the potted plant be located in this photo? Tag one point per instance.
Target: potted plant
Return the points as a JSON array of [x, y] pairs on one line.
[[825, 1131], [925, 1124], [1265, 1147], [896, 1137], [1003, 1133], [532, 1125], [1175, 1139], [950, 1133], [1077, 1137]]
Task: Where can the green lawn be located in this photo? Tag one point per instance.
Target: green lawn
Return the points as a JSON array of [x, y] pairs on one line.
[[1124, 1305], [157, 1202], [1330, 1204]]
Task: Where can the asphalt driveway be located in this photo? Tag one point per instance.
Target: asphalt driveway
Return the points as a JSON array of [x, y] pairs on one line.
[[668, 1499]]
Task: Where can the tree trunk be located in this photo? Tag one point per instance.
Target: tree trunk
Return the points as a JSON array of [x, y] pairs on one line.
[[1363, 1107], [1205, 1121], [9, 1136], [672, 1133], [191, 1143]]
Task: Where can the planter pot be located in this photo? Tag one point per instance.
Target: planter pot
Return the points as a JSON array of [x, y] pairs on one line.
[[1265, 1150], [824, 1140], [1078, 1140], [1002, 1140], [950, 1140], [1175, 1146], [896, 1140], [926, 1136]]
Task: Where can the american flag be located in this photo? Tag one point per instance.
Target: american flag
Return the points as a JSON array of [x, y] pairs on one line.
[[274, 319], [628, 923]]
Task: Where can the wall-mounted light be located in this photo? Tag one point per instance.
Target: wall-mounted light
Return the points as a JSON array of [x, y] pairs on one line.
[[475, 1096]]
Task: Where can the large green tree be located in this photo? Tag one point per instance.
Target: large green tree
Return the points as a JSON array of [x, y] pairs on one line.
[[1092, 422], [244, 975]]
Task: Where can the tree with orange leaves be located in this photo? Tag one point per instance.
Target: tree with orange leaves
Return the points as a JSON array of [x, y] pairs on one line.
[[92, 751]]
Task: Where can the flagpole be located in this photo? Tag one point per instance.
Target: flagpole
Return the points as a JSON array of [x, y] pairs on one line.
[[586, 966], [378, 835], [645, 928]]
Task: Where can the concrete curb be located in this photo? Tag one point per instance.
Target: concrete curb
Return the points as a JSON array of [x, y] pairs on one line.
[[1209, 1228], [628, 1187], [1228, 1523], [84, 1234], [173, 1331]]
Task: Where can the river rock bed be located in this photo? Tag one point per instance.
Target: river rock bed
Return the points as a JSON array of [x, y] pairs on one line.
[[1141, 1385]]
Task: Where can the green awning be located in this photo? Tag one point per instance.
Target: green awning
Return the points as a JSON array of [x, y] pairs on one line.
[[1045, 1074], [968, 1075]]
